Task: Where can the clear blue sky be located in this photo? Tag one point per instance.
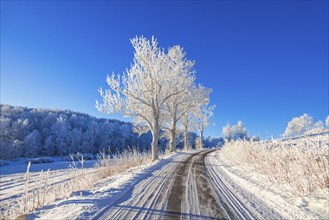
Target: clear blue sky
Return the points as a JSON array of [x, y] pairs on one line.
[[266, 61]]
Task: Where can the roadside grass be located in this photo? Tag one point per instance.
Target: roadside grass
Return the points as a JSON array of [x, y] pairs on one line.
[[117, 163], [38, 192], [302, 164]]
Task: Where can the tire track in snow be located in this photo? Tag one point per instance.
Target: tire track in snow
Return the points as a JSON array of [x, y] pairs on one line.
[[228, 198], [184, 186], [146, 196], [192, 195], [243, 205], [175, 198], [208, 204]]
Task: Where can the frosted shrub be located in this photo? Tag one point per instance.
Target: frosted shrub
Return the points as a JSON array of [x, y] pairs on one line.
[[302, 164]]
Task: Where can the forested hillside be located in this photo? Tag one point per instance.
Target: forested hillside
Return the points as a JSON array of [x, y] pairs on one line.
[[30, 132]]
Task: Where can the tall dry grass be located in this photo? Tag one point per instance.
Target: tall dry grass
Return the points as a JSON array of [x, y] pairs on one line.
[[38, 192], [112, 164], [302, 164]]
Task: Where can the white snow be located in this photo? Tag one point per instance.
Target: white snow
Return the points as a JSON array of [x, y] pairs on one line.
[[143, 192], [20, 166], [256, 190]]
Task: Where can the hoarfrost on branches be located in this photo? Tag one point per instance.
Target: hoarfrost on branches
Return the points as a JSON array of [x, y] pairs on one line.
[[299, 125], [155, 91]]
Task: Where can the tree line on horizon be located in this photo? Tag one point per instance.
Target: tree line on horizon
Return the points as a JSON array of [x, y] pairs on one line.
[[33, 132], [298, 126]]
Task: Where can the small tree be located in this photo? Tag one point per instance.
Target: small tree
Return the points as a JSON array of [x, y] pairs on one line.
[[317, 129], [240, 131], [299, 125], [319, 125], [235, 132], [228, 132], [202, 117]]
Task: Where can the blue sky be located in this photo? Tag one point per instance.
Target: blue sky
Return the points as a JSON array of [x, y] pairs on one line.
[[266, 61]]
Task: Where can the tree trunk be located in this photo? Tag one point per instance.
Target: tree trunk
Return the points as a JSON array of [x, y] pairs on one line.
[[155, 139], [185, 139], [201, 140], [173, 137]]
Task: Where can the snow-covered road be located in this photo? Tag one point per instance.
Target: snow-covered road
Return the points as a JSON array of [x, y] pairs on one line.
[[147, 196], [184, 186]]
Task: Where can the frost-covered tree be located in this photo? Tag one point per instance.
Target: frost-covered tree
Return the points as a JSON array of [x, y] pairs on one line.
[[32, 143], [228, 132], [319, 125], [327, 121], [6, 138], [202, 117], [143, 90], [61, 136], [240, 131], [317, 129], [187, 123], [179, 105], [181, 110], [235, 132], [5, 128], [299, 125]]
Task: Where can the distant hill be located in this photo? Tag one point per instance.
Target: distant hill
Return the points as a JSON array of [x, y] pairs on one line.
[[31, 132]]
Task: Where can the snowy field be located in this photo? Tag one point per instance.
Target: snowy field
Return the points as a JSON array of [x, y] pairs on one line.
[[12, 183], [21, 193], [20, 167]]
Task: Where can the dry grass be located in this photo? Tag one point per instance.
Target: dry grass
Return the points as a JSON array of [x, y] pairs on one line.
[[113, 164], [302, 164], [38, 192]]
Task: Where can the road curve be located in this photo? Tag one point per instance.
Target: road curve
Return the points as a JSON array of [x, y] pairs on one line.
[[180, 187], [192, 195]]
